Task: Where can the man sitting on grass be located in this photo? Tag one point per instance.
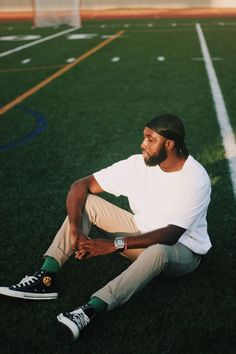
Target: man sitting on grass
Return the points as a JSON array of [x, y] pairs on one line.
[[166, 233]]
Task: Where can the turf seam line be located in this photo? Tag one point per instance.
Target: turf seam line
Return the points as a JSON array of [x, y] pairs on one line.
[[55, 35], [226, 130], [32, 68], [57, 74]]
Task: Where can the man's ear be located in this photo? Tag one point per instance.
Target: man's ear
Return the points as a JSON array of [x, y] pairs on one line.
[[170, 144]]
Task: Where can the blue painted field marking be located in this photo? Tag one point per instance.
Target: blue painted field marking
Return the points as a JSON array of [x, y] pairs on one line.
[[41, 125]]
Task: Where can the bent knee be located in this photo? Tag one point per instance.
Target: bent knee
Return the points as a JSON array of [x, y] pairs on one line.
[[89, 201], [158, 253], [91, 207]]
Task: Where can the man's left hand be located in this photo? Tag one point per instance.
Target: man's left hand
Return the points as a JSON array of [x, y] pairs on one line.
[[93, 248]]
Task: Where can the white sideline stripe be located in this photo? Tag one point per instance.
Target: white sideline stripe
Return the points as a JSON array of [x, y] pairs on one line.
[[17, 49], [221, 111]]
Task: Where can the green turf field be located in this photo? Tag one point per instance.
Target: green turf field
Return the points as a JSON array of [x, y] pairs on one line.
[[89, 117]]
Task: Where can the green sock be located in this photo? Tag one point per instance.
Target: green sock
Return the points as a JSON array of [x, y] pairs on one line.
[[51, 265], [98, 304]]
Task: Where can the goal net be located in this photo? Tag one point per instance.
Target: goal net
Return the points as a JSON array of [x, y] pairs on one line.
[[48, 13]]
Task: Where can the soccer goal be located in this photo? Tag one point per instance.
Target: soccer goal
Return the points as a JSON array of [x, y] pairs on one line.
[[53, 13]]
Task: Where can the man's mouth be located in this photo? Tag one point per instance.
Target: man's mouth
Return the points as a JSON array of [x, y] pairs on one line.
[[145, 154]]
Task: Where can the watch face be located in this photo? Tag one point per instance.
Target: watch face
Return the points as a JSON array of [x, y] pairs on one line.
[[119, 243]]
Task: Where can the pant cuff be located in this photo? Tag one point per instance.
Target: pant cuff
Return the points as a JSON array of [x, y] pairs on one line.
[[107, 297], [58, 255]]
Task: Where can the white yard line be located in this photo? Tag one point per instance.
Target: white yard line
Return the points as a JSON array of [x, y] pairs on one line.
[[221, 111], [17, 49]]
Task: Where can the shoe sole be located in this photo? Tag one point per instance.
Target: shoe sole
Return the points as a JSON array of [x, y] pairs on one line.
[[68, 326], [27, 296]]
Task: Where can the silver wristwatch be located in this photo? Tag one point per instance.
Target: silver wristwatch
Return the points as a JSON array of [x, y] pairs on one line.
[[119, 243]]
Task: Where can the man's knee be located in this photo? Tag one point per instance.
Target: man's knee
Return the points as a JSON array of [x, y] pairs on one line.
[[157, 255], [89, 201], [90, 207]]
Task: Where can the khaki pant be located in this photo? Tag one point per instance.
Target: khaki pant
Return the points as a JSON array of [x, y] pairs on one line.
[[171, 261]]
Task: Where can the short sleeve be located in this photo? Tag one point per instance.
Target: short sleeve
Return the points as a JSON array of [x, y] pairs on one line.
[[117, 178]]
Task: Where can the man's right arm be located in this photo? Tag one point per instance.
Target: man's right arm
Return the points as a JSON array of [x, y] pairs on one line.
[[75, 202]]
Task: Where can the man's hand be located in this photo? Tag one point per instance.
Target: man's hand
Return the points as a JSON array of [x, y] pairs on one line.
[[91, 248], [76, 238]]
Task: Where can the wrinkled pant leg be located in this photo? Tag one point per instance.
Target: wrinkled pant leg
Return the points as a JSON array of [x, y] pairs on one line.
[[151, 262], [99, 212], [61, 247]]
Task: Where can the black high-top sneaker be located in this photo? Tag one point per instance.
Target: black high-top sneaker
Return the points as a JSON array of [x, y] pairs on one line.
[[40, 286], [76, 320]]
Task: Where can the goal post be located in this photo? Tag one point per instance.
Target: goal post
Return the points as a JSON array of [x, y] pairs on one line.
[[53, 13]]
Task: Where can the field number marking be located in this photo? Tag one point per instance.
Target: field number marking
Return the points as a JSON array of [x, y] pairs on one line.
[[17, 49]]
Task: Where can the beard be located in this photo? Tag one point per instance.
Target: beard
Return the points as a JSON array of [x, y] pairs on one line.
[[157, 159]]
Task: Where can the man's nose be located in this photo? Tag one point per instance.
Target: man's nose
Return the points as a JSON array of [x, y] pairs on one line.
[[144, 144]]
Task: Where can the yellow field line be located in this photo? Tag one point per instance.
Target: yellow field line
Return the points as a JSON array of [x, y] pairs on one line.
[[57, 74]]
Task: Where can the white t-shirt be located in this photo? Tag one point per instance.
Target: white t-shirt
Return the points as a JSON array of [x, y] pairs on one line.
[[159, 198]]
